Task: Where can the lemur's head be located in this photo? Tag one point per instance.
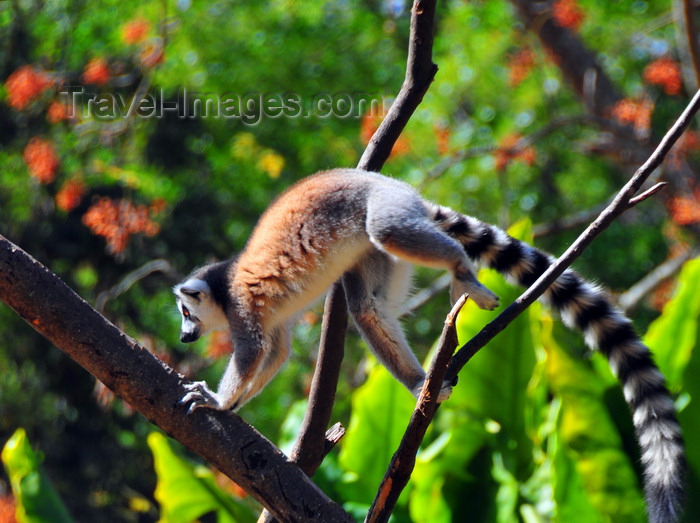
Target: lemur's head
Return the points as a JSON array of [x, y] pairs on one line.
[[199, 300]]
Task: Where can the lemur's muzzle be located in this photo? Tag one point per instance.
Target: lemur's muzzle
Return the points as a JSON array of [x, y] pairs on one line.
[[189, 337]]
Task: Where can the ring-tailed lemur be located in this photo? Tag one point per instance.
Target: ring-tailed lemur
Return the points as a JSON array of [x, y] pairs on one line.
[[367, 229]]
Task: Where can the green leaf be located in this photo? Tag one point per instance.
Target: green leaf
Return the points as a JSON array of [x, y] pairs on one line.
[[186, 493], [496, 383], [381, 409], [37, 501], [673, 338], [673, 335], [591, 440]]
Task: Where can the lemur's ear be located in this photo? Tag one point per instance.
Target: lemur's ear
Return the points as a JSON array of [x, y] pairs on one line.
[[196, 289], [192, 293]]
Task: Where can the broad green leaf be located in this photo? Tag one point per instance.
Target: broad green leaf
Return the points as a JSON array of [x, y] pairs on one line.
[[673, 338], [37, 501], [444, 461], [572, 502], [591, 440], [495, 384], [381, 409], [673, 335], [186, 493]]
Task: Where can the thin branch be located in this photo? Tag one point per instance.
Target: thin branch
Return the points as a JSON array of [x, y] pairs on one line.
[[307, 453], [313, 443], [404, 459], [426, 294], [635, 294], [686, 36], [420, 71], [651, 191], [526, 141], [567, 222], [619, 205], [130, 279]]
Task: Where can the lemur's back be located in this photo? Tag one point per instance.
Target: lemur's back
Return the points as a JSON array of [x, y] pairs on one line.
[[307, 238]]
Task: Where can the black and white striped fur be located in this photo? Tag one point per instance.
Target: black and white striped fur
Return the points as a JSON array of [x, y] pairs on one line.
[[586, 307]]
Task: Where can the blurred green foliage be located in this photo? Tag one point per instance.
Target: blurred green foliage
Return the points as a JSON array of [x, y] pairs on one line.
[[533, 432]]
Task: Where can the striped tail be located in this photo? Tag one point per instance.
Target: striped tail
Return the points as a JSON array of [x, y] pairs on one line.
[[587, 307]]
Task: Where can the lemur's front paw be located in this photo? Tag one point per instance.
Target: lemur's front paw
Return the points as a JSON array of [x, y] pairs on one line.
[[199, 395]]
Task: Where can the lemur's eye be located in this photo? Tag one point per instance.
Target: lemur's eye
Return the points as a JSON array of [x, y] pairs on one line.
[[185, 312]]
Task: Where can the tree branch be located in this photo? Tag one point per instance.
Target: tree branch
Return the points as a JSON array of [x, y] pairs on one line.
[[404, 459], [313, 441], [579, 64], [620, 204], [684, 13], [420, 71], [130, 279], [151, 387], [630, 299]]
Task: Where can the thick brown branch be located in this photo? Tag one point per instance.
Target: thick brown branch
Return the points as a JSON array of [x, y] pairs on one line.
[[152, 388], [684, 13], [578, 63]]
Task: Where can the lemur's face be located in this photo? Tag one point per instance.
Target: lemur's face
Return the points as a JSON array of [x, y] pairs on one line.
[[200, 313]]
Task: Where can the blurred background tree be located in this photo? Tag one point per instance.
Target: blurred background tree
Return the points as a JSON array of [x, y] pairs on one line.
[[121, 198]]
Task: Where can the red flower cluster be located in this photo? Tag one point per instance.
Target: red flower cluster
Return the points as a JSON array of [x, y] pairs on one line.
[[8, 509], [442, 137], [135, 31], [665, 73], [685, 210], [118, 220], [568, 14], [519, 65], [57, 112], [96, 72], [634, 112], [369, 125], [509, 151], [41, 158], [25, 85], [69, 196]]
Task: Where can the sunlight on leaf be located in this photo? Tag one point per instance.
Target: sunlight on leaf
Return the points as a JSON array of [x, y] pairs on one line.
[[186, 493], [36, 499], [673, 336]]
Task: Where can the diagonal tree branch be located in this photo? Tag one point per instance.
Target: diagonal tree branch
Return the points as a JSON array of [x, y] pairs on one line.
[[404, 459], [151, 387], [623, 201], [631, 298]]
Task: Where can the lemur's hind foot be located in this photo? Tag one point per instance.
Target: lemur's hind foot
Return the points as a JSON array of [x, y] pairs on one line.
[[468, 284]]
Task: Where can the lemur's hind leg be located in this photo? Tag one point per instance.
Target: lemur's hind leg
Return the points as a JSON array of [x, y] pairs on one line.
[[405, 231], [368, 290]]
